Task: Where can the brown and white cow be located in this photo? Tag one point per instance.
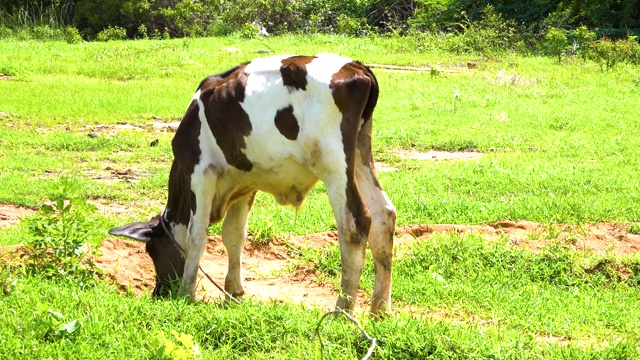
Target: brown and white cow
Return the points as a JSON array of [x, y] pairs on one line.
[[276, 124]]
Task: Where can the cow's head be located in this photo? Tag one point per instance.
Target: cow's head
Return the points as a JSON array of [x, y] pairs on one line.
[[163, 249]]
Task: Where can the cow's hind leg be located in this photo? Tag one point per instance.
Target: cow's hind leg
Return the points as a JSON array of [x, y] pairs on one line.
[[353, 222], [234, 233], [352, 218], [383, 220]]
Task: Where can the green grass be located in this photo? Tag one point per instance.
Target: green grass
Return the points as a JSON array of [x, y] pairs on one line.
[[559, 144]]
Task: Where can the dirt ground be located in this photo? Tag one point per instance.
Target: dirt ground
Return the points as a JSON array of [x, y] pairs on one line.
[[270, 273]]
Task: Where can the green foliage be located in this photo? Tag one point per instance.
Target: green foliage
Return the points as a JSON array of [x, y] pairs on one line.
[[492, 33], [556, 43], [434, 15], [112, 33], [634, 228], [187, 18], [94, 16], [583, 40], [72, 35], [604, 53], [52, 326], [179, 347], [60, 234], [7, 281]]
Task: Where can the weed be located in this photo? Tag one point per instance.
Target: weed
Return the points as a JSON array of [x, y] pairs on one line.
[[60, 232], [52, 325], [112, 33], [553, 231], [634, 228], [556, 43], [179, 346], [7, 282]]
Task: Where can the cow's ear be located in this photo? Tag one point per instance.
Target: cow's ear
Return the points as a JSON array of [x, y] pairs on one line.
[[141, 231]]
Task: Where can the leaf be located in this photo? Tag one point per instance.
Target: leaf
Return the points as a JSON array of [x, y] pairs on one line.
[[46, 208], [185, 339], [179, 354], [55, 314], [70, 327]]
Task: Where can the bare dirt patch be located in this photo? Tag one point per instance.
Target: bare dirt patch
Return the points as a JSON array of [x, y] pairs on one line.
[[271, 274], [432, 155], [11, 215], [158, 125], [437, 155]]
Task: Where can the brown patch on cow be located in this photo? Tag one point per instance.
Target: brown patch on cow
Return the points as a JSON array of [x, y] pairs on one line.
[[287, 123], [186, 152], [222, 97], [352, 90], [294, 71]]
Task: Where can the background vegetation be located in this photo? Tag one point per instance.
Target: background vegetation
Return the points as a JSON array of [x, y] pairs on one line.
[[179, 18]]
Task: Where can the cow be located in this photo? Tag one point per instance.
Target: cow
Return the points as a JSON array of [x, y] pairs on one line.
[[275, 124]]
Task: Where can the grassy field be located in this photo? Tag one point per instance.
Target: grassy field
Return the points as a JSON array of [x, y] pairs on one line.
[[559, 143]]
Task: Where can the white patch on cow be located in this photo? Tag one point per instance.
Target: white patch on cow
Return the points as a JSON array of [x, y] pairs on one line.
[[179, 233], [266, 64], [313, 108], [325, 66]]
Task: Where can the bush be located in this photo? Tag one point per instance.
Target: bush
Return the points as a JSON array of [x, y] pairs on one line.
[[556, 43], [95, 16], [491, 34], [583, 40], [72, 35], [60, 232], [112, 33]]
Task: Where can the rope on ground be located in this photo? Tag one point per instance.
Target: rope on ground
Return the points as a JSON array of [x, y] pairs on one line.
[[229, 296], [372, 341]]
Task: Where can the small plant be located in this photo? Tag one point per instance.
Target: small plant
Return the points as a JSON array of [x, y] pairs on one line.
[[179, 347], [556, 43], [583, 41], [553, 231], [634, 228], [72, 35], [7, 283], [53, 325], [60, 231], [112, 33]]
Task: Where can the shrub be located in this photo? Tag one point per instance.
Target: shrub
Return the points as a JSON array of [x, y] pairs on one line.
[[58, 248], [112, 33], [603, 52], [187, 18], [628, 50], [556, 43], [583, 40], [491, 34], [6, 33], [94, 16], [72, 35]]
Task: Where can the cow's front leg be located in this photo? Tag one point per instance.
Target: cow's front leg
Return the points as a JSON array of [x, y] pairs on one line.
[[202, 185], [234, 233]]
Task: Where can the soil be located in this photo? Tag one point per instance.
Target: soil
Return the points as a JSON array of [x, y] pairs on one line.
[[11, 215], [270, 272]]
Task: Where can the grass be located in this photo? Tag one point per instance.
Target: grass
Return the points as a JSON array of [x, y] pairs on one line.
[[559, 144]]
